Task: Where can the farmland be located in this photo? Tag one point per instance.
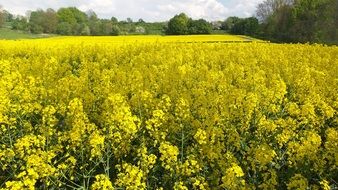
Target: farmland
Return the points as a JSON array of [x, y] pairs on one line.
[[167, 112], [144, 38], [8, 34]]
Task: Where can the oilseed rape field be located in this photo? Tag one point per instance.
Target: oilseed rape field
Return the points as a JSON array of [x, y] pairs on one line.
[[148, 112]]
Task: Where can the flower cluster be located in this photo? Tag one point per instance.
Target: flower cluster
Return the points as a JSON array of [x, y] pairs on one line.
[[94, 113]]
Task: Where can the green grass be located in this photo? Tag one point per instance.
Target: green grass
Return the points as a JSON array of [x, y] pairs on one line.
[[218, 32], [8, 34]]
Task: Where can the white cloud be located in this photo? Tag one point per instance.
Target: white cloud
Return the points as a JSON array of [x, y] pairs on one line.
[[149, 10], [208, 9], [244, 8]]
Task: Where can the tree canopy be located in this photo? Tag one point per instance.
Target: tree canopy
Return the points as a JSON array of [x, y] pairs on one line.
[[314, 21], [299, 20], [242, 26], [181, 24]]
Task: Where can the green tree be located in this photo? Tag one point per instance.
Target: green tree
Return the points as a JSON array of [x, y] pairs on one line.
[[268, 7], [66, 15], [141, 21], [85, 30], [92, 16], [314, 21], [305, 16], [299, 20], [251, 26], [50, 21], [106, 27], [64, 28], [2, 17], [281, 23], [115, 31], [238, 27], [243, 26], [95, 27], [93, 23], [330, 23], [178, 25], [200, 26], [5, 16], [129, 20], [36, 21], [43, 21], [8, 16], [229, 23], [20, 23], [73, 17], [127, 27], [114, 20]]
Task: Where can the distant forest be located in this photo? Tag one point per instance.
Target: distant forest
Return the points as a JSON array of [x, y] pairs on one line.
[[313, 21]]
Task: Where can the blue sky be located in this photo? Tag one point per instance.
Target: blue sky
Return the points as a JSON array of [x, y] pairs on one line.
[[149, 10]]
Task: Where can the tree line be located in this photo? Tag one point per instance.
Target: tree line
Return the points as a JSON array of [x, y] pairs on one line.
[[72, 21], [314, 21], [181, 24], [299, 20]]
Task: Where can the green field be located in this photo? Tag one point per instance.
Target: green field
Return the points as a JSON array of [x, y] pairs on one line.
[[6, 33]]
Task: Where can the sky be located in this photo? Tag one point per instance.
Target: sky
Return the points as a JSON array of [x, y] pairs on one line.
[[148, 10]]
